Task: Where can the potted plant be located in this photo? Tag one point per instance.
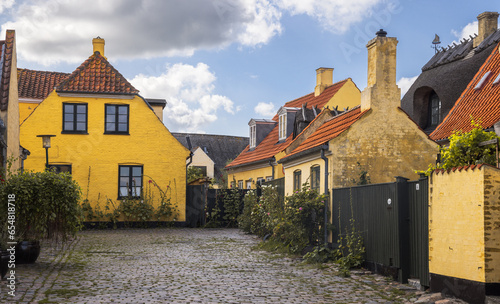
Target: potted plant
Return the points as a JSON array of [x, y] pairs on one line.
[[46, 206]]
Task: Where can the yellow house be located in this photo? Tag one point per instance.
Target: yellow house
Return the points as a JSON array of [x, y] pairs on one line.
[[377, 137], [105, 134], [11, 150], [269, 137]]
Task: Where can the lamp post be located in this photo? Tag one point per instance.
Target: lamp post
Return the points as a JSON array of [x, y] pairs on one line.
[[46, 145]]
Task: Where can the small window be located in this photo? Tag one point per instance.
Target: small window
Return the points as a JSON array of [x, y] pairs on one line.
[[116, 120], [240, 184], [233, 184], [60, 168], [483, 80], [315, 177], [269, 178], [203, 170], [260, 180], [297, 183], [435, 110], [75, 118], [253, 135], [249, 184], [282, 126], [130, 181]]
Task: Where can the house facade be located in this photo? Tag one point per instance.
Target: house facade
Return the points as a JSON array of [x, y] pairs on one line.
[[270, 137], [376, 139], [106, 135]]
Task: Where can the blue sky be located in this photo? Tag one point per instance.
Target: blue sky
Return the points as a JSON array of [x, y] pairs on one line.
[[219, 63]]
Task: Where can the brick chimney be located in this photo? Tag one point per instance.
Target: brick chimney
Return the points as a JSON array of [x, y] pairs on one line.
[[381, 91], [324, 78], [98, 45], [487, 25]]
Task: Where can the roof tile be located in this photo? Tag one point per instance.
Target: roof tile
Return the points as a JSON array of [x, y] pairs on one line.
[[483, 104], [6, 49], [38, 84]]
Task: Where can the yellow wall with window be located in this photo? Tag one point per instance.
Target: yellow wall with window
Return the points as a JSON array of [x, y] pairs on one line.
[[95, 157], [235, 175], [305, 170]]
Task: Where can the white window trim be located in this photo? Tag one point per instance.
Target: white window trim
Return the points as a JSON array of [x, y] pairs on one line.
[[282, 126], [252, 136]]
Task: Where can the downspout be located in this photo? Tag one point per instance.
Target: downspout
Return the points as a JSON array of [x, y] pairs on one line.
[[323, 149], [271, 163], [190, 147]]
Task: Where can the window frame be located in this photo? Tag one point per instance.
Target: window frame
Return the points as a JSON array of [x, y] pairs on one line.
[[282, 126], [240, 184], [297, 180], [432, 116], [116, 114], [316, 177], [253, 136], [59, 166], [75, 113], [131, 178]]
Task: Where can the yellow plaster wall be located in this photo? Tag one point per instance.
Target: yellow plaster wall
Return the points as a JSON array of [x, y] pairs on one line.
[[25, 109], [305, 175], [386, 143], [492, 224], [348, 96], [95, 157], [456, 224], [200, 158]]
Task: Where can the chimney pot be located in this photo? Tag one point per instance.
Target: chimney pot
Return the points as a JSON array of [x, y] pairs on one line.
[[381, 33], [98, 45]]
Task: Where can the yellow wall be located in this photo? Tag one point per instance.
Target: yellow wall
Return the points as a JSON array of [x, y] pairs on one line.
[[200, 158], [25, 109], [305, 169], [348, 96], [149, 144], [247, 174], [464, 224]]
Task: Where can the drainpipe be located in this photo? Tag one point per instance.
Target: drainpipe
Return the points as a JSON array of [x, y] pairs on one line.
[[190, 147], [323, 149], [271, 163]]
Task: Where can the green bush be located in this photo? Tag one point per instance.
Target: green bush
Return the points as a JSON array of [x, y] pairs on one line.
[[46, 204]]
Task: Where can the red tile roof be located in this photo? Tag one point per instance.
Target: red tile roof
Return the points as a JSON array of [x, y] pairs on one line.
[[472, 167], [270, 146], [96, 75], [482, 104], [38, 84], [328, 130], [6, 49]]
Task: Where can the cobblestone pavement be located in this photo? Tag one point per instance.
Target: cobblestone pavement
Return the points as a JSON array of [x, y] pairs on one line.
[[187, 266]]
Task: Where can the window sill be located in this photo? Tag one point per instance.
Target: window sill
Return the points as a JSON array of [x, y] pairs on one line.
[[76, 133], [116, 133]]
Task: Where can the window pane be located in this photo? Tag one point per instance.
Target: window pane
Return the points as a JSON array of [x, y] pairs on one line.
[[123, 191], [122, 127], [81, 109], [80, 126], [137, 171], [68, 108], [110, 118], [68, 117], [122, 110], [110, 127], [68, 126], [110, 109], [124, 181], [122, 118], [124, 171], [136, 191], [81, 117]]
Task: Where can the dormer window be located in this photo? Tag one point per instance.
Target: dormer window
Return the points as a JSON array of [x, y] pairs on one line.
[[253, 136], [282, 126], [435, 109]]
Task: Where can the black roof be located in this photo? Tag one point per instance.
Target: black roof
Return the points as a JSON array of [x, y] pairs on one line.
[[220, 148]]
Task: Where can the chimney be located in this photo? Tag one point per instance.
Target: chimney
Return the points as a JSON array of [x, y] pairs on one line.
[[98, 44], [324, 78], [487, 25], [382, 91]]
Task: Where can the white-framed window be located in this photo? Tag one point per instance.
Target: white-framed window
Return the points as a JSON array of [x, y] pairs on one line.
[[240, 184], [249, 184], [282, 126], [269, 178], [253, 136]]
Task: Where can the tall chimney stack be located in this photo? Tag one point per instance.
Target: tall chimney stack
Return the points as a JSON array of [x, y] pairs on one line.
[[382, 91], [487, 25], [98, 45], [324, 78]]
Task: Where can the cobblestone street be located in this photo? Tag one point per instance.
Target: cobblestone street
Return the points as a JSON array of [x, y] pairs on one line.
[[186, 266]]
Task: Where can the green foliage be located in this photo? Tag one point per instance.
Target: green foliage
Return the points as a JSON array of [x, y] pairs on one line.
[[193, 173], [46, 204], [350, 252], [364, 178], [232, 199], [464, 149]]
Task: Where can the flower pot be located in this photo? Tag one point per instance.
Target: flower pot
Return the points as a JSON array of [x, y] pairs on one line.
[[27, 252], [4, 263]]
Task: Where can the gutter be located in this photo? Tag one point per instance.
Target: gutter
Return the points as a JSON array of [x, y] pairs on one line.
[[323, 149], [300, 154]]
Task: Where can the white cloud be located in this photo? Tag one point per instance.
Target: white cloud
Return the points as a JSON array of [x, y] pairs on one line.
[[52, 31], [333, 15], [265, 109], [5, 4], [405, 83], [468, 30], [191, 104]]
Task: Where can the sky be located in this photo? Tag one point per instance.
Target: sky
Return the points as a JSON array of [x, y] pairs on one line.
[[220, 63]]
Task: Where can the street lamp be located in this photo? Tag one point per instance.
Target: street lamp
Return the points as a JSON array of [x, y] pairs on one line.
[[46, 145]]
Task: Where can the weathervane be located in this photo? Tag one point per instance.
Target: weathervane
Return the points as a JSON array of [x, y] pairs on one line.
[[436, 41]]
